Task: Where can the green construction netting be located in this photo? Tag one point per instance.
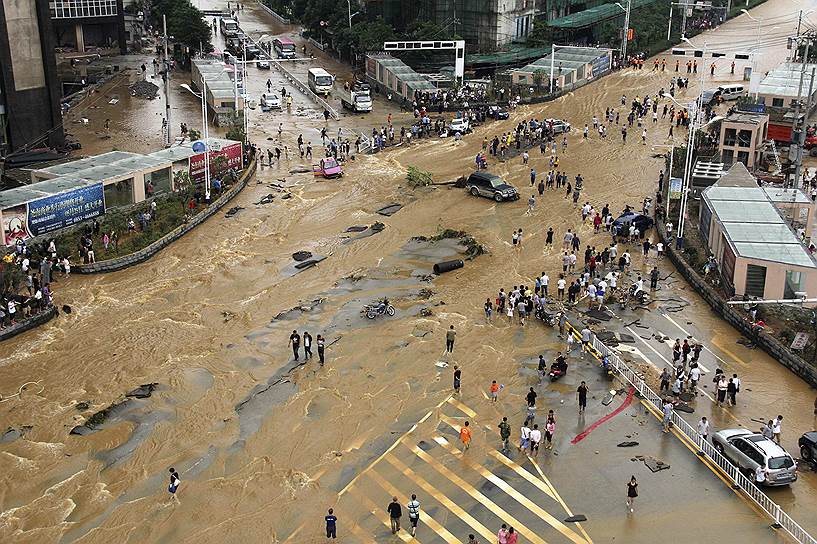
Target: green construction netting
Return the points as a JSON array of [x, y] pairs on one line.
[[589, 17]]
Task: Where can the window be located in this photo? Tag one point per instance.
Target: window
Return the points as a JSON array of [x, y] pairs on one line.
[[777, 102], [755, 280], [743, 156], [729, 137], [744, 138], [728, 156], [795, 282], [66, 9]]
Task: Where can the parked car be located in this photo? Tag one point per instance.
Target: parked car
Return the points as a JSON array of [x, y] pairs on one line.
[[498, 112], [642, 222], [262, 64], [459, 124], [490, 186], [558, 125], [808, 446], [270, 102], [749, 450], [709, 97]]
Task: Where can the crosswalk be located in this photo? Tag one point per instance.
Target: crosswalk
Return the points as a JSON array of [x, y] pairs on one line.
[[460, 492]]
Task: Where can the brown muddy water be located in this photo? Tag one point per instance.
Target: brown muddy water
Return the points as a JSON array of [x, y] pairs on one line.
[[262, 443]]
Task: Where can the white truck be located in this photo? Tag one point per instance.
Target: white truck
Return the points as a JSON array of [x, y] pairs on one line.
[[359, 101]]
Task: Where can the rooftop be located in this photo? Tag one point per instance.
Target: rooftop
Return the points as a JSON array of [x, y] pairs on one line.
[[752, 224], [785, 80], [597, 14], [746, 117]]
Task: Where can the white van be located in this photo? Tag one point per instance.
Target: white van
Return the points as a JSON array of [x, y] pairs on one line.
[[731, 92], [320, 81]]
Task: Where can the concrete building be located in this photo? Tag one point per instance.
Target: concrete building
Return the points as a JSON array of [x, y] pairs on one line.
[[29, 88], [81, 24], [757, 250], [780, 87], [221, 88], [69, 193], [742, 134], [571, 66], [487, 25]]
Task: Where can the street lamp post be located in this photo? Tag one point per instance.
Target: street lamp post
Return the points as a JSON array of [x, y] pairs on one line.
[[687, 181], [626, 30], [205, 132]]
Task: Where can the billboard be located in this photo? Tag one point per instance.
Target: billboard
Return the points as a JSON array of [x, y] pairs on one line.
[[231, 152], [54, 212]]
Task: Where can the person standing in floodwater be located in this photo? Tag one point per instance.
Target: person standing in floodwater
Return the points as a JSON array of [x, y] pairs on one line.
[[331, 524], [307, 345], [321, 349], [465, 436], [449, 339], [295, 342], [457, 378]]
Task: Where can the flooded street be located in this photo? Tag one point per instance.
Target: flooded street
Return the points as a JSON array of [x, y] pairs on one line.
[[265, 444]]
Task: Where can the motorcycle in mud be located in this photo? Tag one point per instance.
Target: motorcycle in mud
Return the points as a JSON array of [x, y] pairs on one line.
[[380, 308]]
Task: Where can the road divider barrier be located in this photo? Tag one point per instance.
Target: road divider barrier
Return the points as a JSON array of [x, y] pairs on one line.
[[687, 434]]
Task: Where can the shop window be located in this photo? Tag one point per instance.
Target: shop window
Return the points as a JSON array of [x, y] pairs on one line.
[[755, 280], [119, 194]]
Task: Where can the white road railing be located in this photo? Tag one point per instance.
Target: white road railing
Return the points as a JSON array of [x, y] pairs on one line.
[[686, 433]]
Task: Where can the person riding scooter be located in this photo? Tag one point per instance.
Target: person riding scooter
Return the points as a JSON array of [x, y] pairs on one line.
[[558, 368]]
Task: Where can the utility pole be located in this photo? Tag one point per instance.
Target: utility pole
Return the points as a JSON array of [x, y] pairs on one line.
[[797, 129], [684, 21], [168, 134], [626, 32]]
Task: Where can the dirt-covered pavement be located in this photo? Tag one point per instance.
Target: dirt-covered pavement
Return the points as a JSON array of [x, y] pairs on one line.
[[264, 445]]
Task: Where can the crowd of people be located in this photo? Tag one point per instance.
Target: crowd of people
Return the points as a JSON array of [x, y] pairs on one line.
[[33, 293]]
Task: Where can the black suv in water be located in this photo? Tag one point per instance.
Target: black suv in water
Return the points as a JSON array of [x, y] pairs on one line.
[[490, 186]]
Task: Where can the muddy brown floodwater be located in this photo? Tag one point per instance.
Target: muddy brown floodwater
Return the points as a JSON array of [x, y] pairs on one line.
[[263, 443]]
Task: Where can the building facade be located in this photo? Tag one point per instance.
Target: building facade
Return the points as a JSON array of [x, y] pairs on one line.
[[742, 136], [80, 24], [29, 88]]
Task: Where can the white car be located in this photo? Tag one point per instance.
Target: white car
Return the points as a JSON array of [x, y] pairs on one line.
[[262, 64], [559, 126], [270, 101], [459, 124]]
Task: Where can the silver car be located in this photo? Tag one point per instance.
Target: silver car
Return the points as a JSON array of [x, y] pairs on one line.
[[749, 450]]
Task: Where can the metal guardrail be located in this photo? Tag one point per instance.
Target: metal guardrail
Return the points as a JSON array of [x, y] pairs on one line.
[[301, 86], [705, 449], [275, 15]]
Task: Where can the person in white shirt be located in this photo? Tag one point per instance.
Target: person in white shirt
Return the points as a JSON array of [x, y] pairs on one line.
[[591, 293], [703, 428], [694, 376], [25, 265], [659, 248], [760, 475], [560, 286], [535, 439], [777, 424], [524, 438], [544, 280], [613, 281]]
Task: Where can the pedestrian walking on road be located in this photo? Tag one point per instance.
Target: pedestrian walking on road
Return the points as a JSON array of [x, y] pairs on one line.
[[307, 345], [175, 481], [331, 524], [321, 349], [295, 342], [550, 430], [413, 508], [449, 339], [504, 433], [766, 430], [495, 387], [457, 378], [395, 513], [524, 437], [465, 436], [489, 309], [472, 540], [632, 492], [731, 392], [777, 428], [531, 398], [667, 420], [502, 535], [581, 396], [723, 386], [703, 428], [535, 440]]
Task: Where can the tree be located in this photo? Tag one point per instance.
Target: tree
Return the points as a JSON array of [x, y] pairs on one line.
[[539, 77], [11, 278], [185, 23], [236, 130]]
